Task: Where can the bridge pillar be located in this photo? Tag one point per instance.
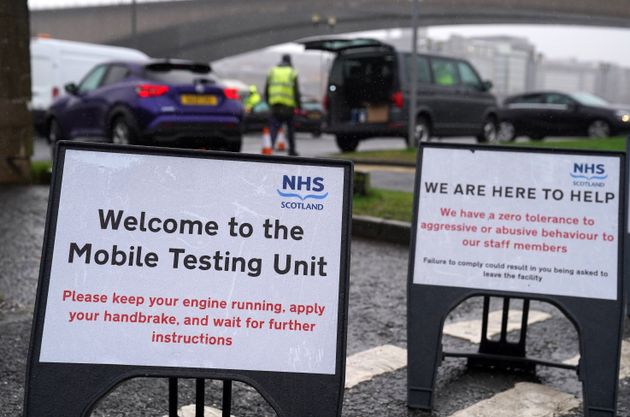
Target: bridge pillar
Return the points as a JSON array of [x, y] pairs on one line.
[[16, 132]]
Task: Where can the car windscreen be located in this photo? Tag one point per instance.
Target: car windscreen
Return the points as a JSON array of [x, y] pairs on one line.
[[589, 99], [178, 74]]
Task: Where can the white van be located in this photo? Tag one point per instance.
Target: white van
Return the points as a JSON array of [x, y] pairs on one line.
[[55, 63]]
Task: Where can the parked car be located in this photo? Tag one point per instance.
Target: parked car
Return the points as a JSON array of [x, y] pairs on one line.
[[368, 94], [241, 88], [553, 113], [257, 118], [308, 119], [161, 102], [55, 62]]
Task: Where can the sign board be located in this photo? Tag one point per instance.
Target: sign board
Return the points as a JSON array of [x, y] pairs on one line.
[[525, 222], [518, 223], [179, 259]]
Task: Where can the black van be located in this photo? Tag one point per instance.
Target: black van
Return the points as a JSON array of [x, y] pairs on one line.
[[368, 94]]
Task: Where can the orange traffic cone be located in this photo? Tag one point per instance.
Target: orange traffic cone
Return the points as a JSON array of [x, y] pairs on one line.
[[281, 143], [266, 142]]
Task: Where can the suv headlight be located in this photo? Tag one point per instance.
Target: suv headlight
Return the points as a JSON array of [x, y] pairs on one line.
[[623, 115]]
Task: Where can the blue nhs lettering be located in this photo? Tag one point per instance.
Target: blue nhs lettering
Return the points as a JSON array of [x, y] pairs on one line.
[[589, 169], [299, 183]]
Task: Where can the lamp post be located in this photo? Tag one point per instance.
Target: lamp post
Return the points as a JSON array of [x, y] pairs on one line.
[[134, 24]]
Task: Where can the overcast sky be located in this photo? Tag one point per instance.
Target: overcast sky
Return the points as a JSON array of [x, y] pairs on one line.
[[554, 41]]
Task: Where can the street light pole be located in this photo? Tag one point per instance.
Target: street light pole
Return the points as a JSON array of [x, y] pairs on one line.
[[134, 24], [413, 70]]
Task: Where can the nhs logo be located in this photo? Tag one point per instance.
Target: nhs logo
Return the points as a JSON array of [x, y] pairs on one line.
[[302, 188], [589, 175]]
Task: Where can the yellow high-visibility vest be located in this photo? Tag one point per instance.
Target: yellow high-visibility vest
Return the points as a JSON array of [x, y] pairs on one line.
[[281, 81], [251, 101]]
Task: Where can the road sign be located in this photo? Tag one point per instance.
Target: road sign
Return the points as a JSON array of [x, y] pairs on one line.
[[518, 223], [192, 264]]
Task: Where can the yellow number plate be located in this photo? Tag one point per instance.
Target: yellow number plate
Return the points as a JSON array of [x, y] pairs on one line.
[[199, 100]]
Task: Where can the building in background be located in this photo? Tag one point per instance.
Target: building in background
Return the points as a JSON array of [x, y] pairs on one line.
[[509, 62], [512, 64], [613, 83], [566, 75]]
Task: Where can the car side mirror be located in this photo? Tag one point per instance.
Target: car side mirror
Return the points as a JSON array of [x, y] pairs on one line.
[[573, 106], [486, 85], [71, 88]]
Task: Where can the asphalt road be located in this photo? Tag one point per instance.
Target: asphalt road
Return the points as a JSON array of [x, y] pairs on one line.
[[376, 317]]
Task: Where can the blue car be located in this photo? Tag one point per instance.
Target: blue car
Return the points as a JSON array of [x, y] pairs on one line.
[[170, 103]]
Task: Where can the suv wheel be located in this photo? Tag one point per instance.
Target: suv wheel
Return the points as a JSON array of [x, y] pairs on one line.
[[234, 144], [347, 143], [598, 129], [489, 133], [422, 131], [122, 133]]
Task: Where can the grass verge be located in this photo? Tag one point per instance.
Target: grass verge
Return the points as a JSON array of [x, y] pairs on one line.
[[40, 172], [609, 144], [409, 155], [400, 155], [387, 204]]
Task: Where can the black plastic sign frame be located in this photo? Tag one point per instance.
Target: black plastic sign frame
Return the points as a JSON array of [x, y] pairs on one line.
[[599, 322], [73, 390]]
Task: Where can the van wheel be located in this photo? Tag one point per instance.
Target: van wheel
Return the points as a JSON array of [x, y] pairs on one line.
[[122, 132], [347, 143], [490, 130], [422, 131], [234, 144]]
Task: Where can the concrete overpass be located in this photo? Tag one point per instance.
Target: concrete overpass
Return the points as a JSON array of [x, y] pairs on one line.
[[212, 29]]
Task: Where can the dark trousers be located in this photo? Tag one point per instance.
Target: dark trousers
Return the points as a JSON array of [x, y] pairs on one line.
[[282, 115]]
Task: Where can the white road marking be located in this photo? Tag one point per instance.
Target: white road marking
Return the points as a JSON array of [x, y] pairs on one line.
[[360, 367], [524, 400], [572, 361], [624, 365], [471, 329], [365, 365]]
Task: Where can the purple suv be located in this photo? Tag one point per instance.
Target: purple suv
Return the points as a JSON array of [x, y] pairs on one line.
[[177, 103]]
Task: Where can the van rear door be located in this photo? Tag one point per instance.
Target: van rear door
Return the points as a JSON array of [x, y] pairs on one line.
[[361, 81], [336, 45]]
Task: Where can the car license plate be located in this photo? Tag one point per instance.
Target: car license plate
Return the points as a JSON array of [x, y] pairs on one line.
[[314, 116], [199, 100]]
